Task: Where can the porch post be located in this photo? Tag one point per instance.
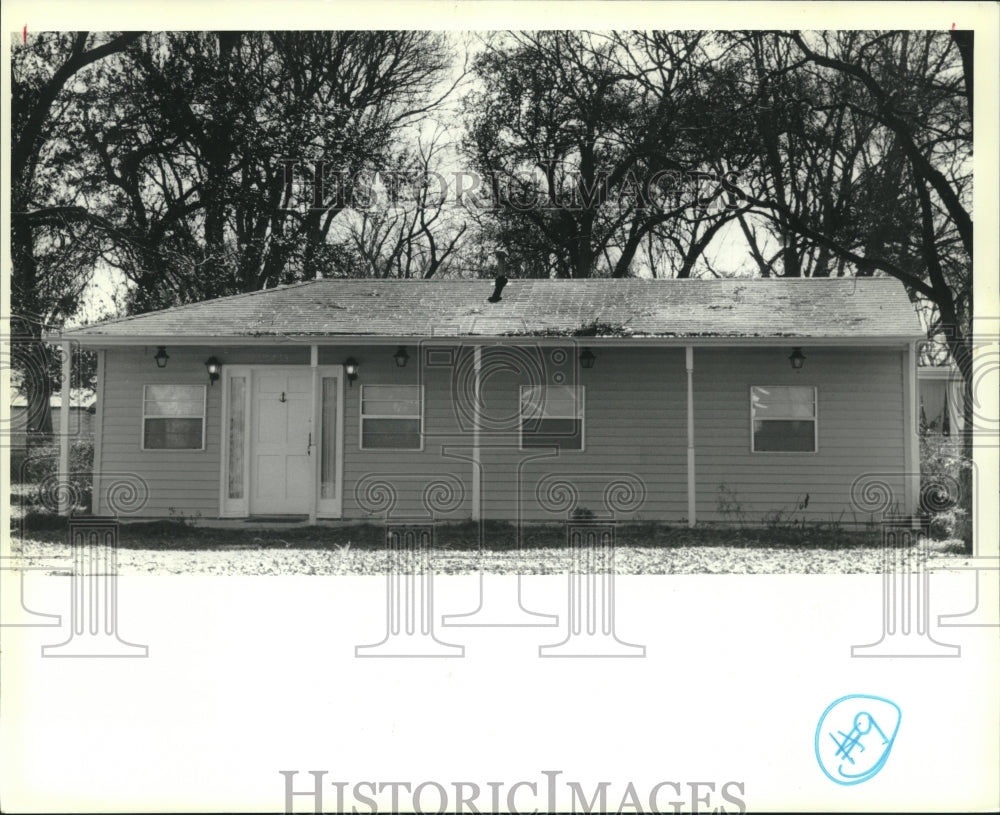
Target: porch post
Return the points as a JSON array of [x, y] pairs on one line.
[[315, 422], [65, 497], [911, 441], [477, 477], [95, 495], [689, 365]]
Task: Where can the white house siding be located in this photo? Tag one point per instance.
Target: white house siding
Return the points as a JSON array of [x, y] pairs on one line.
[[635, 431], [860, 408]]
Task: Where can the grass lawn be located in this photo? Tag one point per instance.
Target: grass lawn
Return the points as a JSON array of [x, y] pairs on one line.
[[170, 547]]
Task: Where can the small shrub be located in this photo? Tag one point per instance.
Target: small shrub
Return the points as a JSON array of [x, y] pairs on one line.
[[41, 461], [942, 462], [43, 522], [952, 524]]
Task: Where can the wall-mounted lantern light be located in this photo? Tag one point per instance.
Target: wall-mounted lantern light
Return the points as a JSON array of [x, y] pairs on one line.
[[797, 358], [214, 367], [161, 357], [351, 369], [401, 357], [587, 358]]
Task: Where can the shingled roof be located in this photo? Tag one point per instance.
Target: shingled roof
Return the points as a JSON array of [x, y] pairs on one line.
[[875, 308]]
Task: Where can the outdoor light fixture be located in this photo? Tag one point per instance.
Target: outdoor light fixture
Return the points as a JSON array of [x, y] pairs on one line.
[[797, 358], [351, 369], [401, 357], [213, 366], [587, 358], [161, 357]]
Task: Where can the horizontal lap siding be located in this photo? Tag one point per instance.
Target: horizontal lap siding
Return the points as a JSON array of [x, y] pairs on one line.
[[634, 433], [187, 482], [860, 409], [184, 482], [635, 430], [433, 482]]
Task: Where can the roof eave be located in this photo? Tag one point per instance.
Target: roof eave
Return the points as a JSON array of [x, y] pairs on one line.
[[98, 340]]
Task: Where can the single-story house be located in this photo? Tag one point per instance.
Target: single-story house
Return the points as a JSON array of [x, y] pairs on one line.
[[670, 400]]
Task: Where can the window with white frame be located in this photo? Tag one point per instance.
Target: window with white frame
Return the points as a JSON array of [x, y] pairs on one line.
[[173, 417], [783, 419], [391, 417], [552, 416]]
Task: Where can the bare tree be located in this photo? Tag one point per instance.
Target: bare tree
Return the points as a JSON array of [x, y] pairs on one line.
[[412, 225], [229, 155], [893, 196], [53, 241], [591, 141]]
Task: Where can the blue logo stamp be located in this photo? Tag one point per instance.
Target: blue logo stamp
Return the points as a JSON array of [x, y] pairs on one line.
[[854, 737]]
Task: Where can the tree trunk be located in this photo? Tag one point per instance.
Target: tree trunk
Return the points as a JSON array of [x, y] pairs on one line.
[[581, 247], [29, 352], [632, 243], [961, 352], [218, 154]]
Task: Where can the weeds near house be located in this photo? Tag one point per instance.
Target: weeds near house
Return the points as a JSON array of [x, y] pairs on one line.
[[788, 525], [184, 519], [730, 507], [786, 517]]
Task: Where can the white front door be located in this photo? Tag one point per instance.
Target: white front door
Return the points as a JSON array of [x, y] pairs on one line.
[[282, 467]]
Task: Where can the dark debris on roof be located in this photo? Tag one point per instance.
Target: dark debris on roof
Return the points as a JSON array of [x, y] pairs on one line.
[[741, 307]]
